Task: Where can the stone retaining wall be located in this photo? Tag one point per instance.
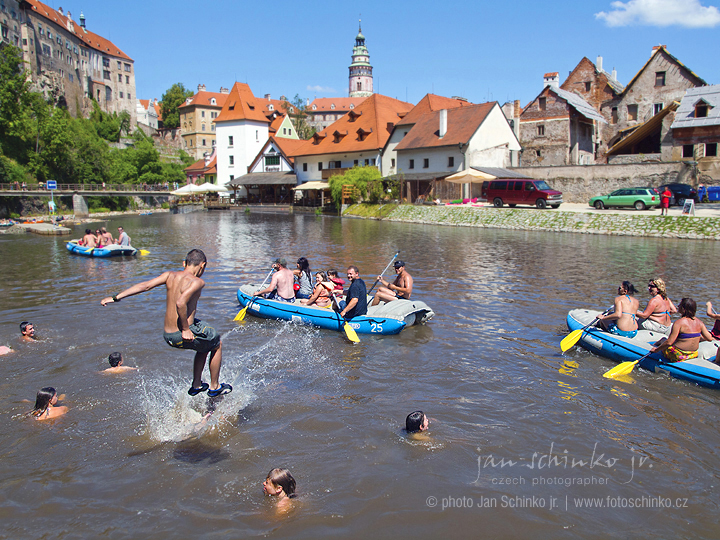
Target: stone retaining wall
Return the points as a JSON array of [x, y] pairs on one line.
[[559, 221]]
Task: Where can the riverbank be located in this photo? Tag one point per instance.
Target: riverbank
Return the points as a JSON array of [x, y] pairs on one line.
[[69, 220], [582, 219]]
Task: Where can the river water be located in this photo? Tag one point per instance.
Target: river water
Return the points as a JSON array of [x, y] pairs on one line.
[[521, 436]]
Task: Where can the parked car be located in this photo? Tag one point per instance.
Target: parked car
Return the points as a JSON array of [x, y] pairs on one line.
[[640, 198], [680, 193], [522, 191]]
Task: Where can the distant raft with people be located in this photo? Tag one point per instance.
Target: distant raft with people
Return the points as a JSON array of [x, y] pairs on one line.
[[113, 250], [383, 319], [701, 370]]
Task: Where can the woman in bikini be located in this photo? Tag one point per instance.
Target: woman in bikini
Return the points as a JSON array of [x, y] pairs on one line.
[[685, 334], [321, 294], [622, 321], [656, 316], [45, 407]]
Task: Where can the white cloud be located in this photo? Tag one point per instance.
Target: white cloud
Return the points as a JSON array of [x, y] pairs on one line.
[[321, 89], [687, 13]]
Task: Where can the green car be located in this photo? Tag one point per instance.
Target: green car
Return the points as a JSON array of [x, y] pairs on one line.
[[640, 198]]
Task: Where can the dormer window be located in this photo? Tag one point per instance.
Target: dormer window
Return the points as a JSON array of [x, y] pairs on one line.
[[314, 107], [213, 101], [352, 105], [232, 106], [338, 136], [251, 106], [362, 134], [332, 106], [270, 107], [701, 109], [317, 137], [352, 115]]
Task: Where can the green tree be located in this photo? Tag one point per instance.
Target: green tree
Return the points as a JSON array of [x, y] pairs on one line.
[[298, 111], [171, 100], [367, 182], [18, 127]]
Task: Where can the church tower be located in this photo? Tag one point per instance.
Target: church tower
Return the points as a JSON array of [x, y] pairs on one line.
[[361, 78]]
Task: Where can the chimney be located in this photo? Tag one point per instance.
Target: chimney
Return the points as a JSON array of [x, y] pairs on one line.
[[224, 90], [201, 87], [82, 20], [518, 109], [443, 122], [206, 155], [551, 79], [598, 64], [267, 96], [614, 74], [283, 98], [308, 102], [390, 126], [60, 11]]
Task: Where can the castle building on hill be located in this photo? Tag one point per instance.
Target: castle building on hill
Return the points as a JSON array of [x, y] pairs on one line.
[[361, 77]]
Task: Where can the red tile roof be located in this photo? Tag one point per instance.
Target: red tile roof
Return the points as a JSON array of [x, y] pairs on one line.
[[462, 123], [90, 39], [341, 104], [204, 99], [430, 103], [368, 128], [157, 110], [199, 166], [242, 105], [287, 147], [276, 122]]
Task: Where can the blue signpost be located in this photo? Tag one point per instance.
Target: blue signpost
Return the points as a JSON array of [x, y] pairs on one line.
[[51, 185]]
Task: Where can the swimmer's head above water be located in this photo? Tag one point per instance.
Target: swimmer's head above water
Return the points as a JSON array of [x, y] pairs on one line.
[[278, 482], [416, 421]]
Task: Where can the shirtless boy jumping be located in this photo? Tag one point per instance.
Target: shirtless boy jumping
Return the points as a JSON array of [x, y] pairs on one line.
[[182, 329]]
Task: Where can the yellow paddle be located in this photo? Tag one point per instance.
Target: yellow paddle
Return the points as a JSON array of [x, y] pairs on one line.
[[241, 314], [144, 252], [349, 331], [573, 337], [624, 368]]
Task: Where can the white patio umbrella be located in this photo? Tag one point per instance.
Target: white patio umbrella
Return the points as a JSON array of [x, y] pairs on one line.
[[189, 189], [207, 187], [469, 176]]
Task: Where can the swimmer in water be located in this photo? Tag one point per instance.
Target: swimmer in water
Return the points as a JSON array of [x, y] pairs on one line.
[[281, 484], [27, 329], [45, 405], [116, 364], [416, 423]]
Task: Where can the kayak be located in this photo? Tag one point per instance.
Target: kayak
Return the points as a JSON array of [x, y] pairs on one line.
[[700, 370], [113, 250], [383, 319]]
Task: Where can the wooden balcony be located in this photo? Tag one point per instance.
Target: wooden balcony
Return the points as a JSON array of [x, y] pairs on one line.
[[327, 173]]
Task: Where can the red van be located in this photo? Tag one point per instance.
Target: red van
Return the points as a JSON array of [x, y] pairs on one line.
[[523, 191]]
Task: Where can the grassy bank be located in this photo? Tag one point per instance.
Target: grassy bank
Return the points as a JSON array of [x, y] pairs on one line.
[[548, 220]]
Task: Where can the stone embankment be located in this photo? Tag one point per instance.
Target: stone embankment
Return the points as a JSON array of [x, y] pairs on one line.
[[530, 219]]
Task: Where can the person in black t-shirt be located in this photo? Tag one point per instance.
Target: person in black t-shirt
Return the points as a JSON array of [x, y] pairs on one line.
[[355, 303]]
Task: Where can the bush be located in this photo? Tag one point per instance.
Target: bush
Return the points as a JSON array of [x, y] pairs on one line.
[[99, 210]]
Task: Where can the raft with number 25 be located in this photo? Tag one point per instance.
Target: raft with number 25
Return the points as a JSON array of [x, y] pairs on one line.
[[384, 319]]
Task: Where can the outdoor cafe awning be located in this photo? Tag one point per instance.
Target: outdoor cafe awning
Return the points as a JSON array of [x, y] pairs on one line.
[[263, 178], [310, 186]]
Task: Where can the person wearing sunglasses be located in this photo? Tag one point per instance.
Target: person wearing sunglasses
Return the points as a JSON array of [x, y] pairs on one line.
[[656, 316]]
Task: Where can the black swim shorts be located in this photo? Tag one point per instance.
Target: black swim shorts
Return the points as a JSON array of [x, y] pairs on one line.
[[206, 338]]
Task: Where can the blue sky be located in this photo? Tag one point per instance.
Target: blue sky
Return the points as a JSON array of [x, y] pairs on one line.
[[480, 50]]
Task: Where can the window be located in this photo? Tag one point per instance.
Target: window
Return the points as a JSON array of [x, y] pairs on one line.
[[203, 127], [202, 113], [367, 162], [614, 115], [659, 78], [257, 135], [355, 163], [701, 110], [203, 141], [212, 127], [272, 160], [40, 30], [129, 95], [127, 79], [657, 107], [538, 153], [541, 130], [230, 140], [451, 161], [359, 86], [412, 164], [212, 142], [542, 103], [588, 86], [119, 78], [119, 64], [106, 75], [632, 111], [304, 167], [127, 67], [232, 160], [106, 61], [49, 34], [320, 166], [70, 77], [108, 93], [688, 151], [336, 165], [121, 94], [392, 163], [426, 163], [711, 149]]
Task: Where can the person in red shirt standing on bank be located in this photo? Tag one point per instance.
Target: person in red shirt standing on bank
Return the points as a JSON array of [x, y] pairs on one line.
[[665, 201]]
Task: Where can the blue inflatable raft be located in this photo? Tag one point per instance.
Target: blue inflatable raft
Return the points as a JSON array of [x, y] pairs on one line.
[[385, 319], [113, 250], [699, 370]]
